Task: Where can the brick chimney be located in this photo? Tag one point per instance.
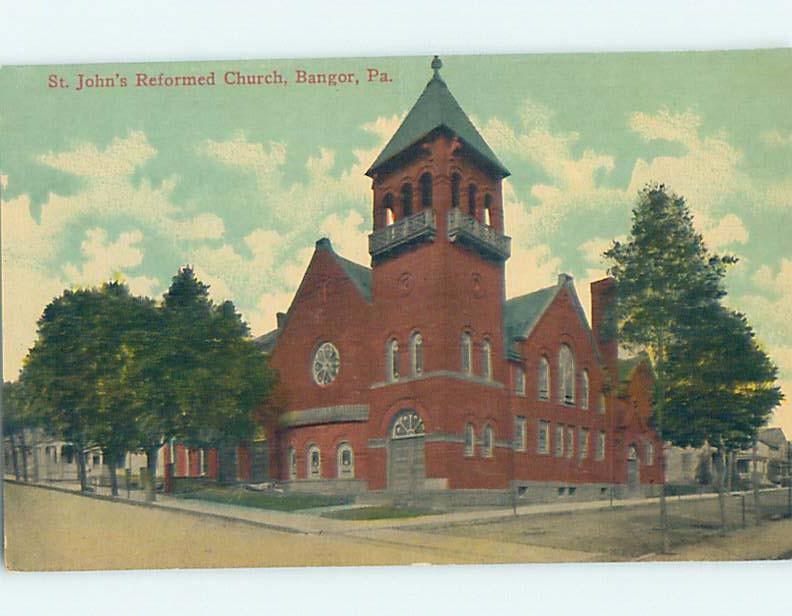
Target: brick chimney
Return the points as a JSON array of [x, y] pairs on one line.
[[602, 297]]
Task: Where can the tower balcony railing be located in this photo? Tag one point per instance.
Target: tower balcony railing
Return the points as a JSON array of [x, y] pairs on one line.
[[418, 227], [483, 238]]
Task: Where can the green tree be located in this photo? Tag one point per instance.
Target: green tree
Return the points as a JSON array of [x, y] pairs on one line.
[[60, 370], [241, 382], [208, 377], [121, 330], [85, 370], [722, 387], [16, 419], [664, 277], [176, 374]]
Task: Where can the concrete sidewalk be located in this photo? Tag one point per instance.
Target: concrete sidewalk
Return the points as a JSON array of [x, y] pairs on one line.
[[311, 522]]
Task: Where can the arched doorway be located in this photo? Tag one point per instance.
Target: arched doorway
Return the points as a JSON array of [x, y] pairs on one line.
[[406, 469], [633, 476]]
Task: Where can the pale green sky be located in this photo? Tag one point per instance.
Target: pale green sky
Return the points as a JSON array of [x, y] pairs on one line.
[[241, 181]]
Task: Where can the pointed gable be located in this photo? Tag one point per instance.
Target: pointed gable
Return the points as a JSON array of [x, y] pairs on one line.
[[521, 314], [437, 109], [359, 275]]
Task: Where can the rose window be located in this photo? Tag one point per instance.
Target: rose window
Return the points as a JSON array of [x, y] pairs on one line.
[[326, 363]]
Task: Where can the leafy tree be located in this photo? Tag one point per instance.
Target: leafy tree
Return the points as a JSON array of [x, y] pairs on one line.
[[664, 277], [15, 420], [60, 370], [208, 377], [84, 371], [723, 387], [122, 333], [112, 370]]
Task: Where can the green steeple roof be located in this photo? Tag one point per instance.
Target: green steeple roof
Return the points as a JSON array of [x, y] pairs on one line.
[[437, 108]]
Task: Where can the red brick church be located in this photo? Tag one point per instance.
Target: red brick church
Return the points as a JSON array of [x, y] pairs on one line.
[[417, 375]]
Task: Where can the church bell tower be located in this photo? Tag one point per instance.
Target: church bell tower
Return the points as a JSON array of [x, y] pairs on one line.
[[438, 246]]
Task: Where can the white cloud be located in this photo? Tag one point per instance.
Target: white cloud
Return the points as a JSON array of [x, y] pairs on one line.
[[681, 127], [349, 236], [530, 269], [104, 258], [728, 230], [26, 291], [119, 158], [573, 179], [706, 175], [107, 260]]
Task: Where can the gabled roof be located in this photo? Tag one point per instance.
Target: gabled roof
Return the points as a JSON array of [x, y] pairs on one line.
[[435, 109], [267, 342], [520, 314], [360, 275], [772, 436]]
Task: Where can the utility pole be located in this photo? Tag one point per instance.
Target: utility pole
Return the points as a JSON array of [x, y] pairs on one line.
[[755, 482]]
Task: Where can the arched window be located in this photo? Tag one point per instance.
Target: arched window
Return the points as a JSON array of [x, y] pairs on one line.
[[601, 404], [487, 209], [292, 462], [314, 462], [519, 380], [486, 360], [426, 190], [649, 453], [408, 424], [416, 353], [345, 461], [584, 402], [466, 348], [544, 379], [456, 183], [470, 440], [387, 203], [489, 442], [393, 360], [407, 199], [566, 375], [472, 200]]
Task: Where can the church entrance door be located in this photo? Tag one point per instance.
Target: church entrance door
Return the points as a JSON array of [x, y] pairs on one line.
[[406, 467]]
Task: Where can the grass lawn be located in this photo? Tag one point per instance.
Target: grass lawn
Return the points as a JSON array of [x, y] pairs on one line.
[[263, 500], [377, 513]]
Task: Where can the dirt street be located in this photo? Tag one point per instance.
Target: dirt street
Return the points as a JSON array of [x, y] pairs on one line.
[[49, 530]]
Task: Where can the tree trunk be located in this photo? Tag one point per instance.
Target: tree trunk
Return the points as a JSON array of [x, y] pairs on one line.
[[80, 453], [110, 460], [23, 449], [151, 473], [35, 456], [721, 488], [730, 466], [226, 463], [659, 423], [15, 457]]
